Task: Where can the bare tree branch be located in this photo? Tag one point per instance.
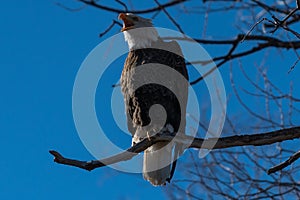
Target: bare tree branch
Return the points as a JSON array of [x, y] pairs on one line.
[[284, 164], [123, 4], [110, 27], [220, 143], [68, 8], [268, 42], [169, 16], [115, 10]]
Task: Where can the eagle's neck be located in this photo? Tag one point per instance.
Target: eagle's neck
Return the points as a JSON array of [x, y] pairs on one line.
[[141, 37]]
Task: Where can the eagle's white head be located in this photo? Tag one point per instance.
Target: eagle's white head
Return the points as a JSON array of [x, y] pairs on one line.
[[138, 31]]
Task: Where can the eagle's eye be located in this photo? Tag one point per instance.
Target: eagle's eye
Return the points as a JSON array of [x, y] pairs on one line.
[[135, 18]]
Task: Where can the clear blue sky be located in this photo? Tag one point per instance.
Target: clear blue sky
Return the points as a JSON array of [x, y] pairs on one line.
[[42, 48]]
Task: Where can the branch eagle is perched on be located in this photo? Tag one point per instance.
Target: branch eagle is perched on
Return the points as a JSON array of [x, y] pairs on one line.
[[142, 94]]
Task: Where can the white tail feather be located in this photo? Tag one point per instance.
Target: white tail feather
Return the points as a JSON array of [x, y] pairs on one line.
[[157, 163]]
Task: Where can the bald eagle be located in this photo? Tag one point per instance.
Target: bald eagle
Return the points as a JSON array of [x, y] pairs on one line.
[[146, 48]]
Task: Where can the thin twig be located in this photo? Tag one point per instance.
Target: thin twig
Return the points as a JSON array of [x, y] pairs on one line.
[[70, 9], [123, 4], [109, 28], [115, 10], [251, 29], [293, 66], [170, 17], [284, 164]]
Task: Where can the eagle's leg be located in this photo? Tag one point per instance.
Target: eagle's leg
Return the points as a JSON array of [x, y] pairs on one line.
[[148, 135]]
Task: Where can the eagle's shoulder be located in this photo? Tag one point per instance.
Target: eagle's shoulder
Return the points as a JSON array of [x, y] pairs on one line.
[[177, 58], [171, 46]]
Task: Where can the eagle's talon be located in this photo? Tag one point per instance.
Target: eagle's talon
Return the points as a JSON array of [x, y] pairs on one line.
[[148, 136]]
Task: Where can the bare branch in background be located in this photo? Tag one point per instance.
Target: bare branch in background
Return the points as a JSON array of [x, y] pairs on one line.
[[270, 42], [110, 27], [169, 16], [115, 10], [123, 4], [70, 9], [284, 164]]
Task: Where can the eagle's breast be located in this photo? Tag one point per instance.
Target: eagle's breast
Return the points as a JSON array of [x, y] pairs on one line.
[[139, 100]]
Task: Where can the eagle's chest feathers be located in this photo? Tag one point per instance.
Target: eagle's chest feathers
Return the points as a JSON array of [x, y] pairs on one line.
[[135, 60], [150, 57], [158, 53]]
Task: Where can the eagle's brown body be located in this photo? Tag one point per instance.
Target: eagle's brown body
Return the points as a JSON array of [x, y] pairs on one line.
[[139, 101]]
